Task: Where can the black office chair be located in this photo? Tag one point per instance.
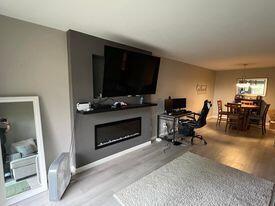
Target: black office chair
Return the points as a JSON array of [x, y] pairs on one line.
[[187, 126]]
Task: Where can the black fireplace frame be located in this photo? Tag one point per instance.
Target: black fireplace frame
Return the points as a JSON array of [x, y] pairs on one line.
[[113, 123]]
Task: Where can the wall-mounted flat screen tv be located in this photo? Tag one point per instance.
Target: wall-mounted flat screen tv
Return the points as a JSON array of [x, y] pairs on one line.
[[129, 73]]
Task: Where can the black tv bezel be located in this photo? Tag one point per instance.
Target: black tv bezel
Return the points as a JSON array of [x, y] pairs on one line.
[[155, 78]]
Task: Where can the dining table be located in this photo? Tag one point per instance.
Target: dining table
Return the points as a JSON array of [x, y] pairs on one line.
[[246, 110]]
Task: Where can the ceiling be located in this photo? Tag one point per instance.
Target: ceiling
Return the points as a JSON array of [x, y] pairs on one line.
[[216, 34]]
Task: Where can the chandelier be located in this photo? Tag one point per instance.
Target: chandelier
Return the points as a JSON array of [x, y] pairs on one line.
[[243, 82]]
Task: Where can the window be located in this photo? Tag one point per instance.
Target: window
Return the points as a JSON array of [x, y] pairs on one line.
[[255, 86]]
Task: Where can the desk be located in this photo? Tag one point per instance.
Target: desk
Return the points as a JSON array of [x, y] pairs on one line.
[[173, 118]]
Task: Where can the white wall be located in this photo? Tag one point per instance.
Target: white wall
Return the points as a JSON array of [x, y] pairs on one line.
[[33, 61]]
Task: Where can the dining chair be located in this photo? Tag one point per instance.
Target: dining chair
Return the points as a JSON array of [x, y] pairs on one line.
[[234, 116], [221, 113], [260, 120], [238, 97]]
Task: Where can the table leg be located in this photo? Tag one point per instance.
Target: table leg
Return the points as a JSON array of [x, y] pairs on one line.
[[246, 119], [158, 126], [174, 128]]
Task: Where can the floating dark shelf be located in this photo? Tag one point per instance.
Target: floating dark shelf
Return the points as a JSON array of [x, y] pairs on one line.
[[110, 109]]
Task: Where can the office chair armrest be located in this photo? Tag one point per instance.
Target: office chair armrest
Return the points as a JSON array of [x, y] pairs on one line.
[[184, 120], [193, 115], [187, 122], [198, 114]]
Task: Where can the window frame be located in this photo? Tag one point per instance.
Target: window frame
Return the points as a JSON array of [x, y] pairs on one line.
[[256, 78]]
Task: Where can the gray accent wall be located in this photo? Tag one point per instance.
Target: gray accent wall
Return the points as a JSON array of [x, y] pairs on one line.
[[85, 134], [81, 49]]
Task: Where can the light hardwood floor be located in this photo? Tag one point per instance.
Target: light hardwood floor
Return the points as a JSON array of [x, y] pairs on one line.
[[249, 152]]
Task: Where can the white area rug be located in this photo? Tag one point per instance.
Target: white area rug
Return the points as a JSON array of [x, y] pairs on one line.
[[193, 180]]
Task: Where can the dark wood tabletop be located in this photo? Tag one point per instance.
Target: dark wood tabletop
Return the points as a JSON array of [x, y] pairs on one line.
[[245, 106]]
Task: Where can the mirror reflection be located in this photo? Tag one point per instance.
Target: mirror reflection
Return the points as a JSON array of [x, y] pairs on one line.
[[19, 147]]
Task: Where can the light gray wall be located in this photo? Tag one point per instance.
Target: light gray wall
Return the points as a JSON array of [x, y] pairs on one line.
[[21, 118], [33, 61], [178, 79], [225, 87]]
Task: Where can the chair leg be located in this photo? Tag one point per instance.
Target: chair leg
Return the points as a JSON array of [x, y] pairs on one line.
[[218, 120], [263, 129], [226, 125]]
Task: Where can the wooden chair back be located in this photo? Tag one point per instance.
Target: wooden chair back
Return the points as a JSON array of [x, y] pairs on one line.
[[233, 108], [265, 113], [219, 102]]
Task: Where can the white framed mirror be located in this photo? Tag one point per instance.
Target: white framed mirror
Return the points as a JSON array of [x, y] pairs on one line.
[[22, 150]]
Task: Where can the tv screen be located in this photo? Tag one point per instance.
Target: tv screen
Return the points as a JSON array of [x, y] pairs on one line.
[[129, 73]]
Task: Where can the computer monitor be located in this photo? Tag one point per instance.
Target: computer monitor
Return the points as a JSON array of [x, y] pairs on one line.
[[171, 105], [179, 103]]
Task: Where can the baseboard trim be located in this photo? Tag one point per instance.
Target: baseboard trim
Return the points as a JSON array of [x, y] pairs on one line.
[[111, 157]]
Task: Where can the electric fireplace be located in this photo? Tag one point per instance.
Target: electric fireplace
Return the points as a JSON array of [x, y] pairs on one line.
[[113, 132]]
